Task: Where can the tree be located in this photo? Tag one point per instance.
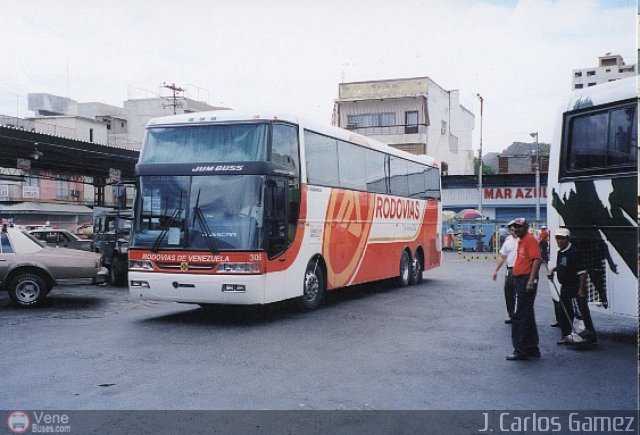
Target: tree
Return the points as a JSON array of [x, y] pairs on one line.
[[486, 169]]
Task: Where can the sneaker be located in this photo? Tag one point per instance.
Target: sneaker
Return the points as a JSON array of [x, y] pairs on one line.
[[567, 339]]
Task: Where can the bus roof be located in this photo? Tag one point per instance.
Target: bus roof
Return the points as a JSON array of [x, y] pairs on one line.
[[604, 93], [209, 117]]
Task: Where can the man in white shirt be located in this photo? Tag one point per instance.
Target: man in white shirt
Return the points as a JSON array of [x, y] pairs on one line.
[[508, 253]]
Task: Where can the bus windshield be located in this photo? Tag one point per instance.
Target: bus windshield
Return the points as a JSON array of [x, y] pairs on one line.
[[206, 143], [214, 213]]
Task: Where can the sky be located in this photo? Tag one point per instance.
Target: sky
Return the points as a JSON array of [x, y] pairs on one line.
[[290, 55]]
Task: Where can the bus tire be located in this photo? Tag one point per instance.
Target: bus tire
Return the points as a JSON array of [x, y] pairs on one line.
[[313, 289], [405, 270], [416, 269]]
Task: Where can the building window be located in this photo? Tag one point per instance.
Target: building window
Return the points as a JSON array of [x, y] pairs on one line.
[[31, 179], [352, 121], [592, 84], [443, 127], [62, 189], [386, 119], [411, 122], [578, 74], [608, 70], [591, 73], [578, 86]]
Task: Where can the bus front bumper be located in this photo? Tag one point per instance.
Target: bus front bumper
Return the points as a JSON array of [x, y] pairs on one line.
[[198, 289]]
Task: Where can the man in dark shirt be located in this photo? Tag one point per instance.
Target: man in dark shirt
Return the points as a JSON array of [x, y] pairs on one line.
[[572, 276]]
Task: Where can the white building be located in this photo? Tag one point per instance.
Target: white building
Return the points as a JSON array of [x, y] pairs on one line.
[[412, 114], [98, 122], [610, 67]]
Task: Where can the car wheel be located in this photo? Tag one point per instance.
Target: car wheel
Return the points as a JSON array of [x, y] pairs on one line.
[[416, 269], [27, 289], [405, 270], [313, 289]]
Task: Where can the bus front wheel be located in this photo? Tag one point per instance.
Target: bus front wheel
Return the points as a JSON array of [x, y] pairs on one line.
[[313, 287]]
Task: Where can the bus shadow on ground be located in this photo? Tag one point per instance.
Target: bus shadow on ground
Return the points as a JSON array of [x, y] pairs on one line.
[[251, 315]]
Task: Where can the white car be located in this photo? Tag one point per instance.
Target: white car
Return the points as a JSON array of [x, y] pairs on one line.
[[28, 270]]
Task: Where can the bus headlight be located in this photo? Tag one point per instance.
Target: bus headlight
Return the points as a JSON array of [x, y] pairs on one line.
[[140, 265], [248, 267]]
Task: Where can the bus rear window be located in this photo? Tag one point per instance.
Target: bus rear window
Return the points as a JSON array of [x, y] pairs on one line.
[[602, 141]]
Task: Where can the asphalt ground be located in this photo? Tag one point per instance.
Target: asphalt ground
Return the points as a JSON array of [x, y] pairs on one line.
[[437, 346]]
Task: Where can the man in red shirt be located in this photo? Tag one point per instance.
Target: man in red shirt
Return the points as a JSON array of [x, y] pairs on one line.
[[524, 331]]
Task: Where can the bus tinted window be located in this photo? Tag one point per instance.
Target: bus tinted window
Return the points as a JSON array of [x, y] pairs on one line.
[[205, 143], [623, 136], [376, 179], [351, 170], [601, 139], [416, 180], [322, 159], [399, 181], [432, 183], [284, 146]]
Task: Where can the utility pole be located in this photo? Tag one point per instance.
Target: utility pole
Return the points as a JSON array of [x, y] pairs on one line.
[[175, 104], [480, 159], [537, 167]]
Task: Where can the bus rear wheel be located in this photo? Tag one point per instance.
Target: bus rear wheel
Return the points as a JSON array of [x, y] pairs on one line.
[[416, 269], [313, 287], [405, 270]]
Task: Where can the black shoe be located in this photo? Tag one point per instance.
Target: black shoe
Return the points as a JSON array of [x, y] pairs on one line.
[[517, 357], [555, 325], [534, 353], [508, 321]]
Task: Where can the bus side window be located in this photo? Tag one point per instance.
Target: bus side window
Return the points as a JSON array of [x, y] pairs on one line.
[[284, 146]]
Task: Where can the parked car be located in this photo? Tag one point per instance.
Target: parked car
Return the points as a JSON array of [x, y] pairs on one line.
[[58, 238], [29, 270]]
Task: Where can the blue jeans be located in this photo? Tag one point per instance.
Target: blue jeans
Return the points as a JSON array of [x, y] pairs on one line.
[[524, 331]]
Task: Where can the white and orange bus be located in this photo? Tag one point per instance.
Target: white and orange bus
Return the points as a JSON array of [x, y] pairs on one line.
[[236, 209]]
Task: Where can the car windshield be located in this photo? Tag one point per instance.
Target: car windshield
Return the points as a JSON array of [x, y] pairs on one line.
[[213, 213]]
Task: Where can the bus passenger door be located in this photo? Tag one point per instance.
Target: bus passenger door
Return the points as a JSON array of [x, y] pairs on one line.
[[281, 209]]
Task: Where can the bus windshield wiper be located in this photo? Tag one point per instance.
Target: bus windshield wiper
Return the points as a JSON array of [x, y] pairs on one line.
[[202, 222], [165, 227]]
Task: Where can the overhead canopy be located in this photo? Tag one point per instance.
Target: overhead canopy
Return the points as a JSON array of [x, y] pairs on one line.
[[64, 155], [43, 208]]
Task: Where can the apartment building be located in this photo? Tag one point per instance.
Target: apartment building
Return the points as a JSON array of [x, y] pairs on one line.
[[413, 114], [610, 67]]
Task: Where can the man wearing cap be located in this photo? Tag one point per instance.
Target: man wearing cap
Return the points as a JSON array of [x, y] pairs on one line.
[[572, 275], [508, 255], [524, 331]]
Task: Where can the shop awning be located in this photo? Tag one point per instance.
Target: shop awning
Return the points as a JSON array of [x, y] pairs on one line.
[[43, 208]]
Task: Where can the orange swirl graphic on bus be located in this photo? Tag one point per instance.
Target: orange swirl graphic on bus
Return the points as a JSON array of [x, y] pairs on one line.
[[346, 231]]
